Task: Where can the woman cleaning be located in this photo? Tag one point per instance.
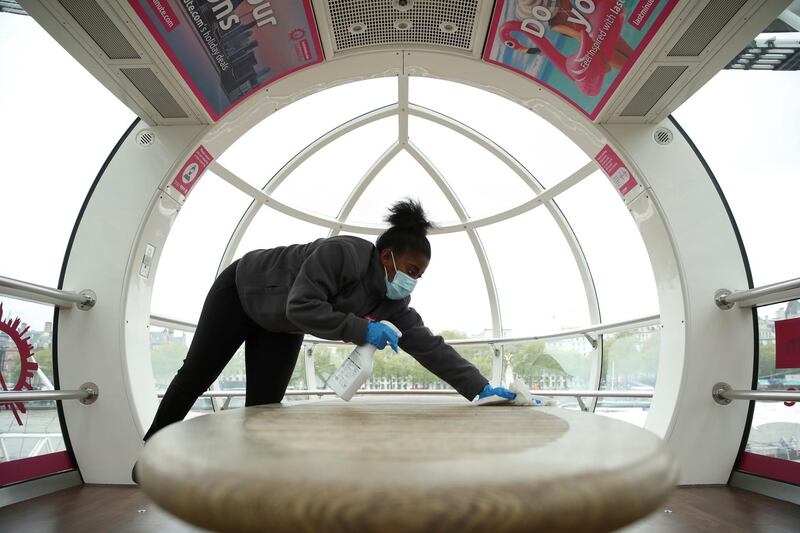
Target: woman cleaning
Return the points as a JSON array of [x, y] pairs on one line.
[[338, 288]]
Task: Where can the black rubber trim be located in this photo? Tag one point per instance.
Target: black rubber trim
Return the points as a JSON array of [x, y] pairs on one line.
[[56, 382], [754, 378]]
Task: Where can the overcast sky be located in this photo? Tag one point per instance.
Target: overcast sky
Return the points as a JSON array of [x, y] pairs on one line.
[[57, 134]]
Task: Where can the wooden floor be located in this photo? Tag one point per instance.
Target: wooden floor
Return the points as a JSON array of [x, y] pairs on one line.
[[127, 510]]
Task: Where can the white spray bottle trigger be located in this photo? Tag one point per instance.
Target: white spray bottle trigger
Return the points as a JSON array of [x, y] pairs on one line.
[[356, 369]]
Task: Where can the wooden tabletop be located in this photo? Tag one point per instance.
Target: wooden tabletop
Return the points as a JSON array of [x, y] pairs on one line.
[[406, 465]]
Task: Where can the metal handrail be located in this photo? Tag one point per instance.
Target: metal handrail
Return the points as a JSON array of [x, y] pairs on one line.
[[86, 394], [766, 295], [172, 323], [613, 327], [437, 392], [724, 394], [16, 288]]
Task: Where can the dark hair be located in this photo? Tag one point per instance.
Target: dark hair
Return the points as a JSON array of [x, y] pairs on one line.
[[409, 225]]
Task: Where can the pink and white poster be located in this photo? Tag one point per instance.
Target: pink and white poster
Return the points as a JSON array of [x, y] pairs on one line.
[[579, 49], [191, 171], [622, 178], [227, 50]]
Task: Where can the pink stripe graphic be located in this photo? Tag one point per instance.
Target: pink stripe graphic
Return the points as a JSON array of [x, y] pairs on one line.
[[33, 467], [771, 467]]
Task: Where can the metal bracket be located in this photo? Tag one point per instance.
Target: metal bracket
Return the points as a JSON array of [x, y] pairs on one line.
[[720, 298], [93, 392], [718, 390], [89, 299], [592, 340], [583, 405]]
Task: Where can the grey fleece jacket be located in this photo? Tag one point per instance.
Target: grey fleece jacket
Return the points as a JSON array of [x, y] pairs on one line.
[[331, 288]]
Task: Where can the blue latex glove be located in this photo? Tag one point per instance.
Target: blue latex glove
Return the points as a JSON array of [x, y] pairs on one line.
[[488, 390], [379, 335]]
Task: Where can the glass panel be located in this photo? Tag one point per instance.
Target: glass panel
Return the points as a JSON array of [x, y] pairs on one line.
[[745, 125], [168, 348], [563, 364], [402, 177], [538, 282], [27, 429], [613, 247], [452, 295], [196, 242], [263, 150], [483, 183], [398, 371], [272, 228], [43, 180], [549, 154], [323, 183], [630, 363], [775, 430]]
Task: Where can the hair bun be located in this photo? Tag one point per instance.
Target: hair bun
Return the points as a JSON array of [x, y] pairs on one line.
[[408, 215]]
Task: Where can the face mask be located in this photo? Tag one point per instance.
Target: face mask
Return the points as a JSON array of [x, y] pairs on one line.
[[401, 286]]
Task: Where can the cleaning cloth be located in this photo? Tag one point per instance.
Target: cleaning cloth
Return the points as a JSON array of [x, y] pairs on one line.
[[523, 397]]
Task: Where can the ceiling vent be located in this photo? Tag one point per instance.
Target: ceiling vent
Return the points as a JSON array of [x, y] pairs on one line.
[[146, 138], [653, 89], [154, 91], [100, 28], [662, 136], [447, 23], [705, 27]]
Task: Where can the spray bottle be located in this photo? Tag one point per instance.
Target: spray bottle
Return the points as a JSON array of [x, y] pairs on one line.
[[356, 369]]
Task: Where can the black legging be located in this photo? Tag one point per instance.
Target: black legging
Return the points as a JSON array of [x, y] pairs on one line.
[[223, 327]]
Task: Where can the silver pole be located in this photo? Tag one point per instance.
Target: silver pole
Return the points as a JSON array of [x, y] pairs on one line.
[[87, 394], [172, 323], [766, 295], [47, 295], [566, 334], [723, 394], [441, 392]]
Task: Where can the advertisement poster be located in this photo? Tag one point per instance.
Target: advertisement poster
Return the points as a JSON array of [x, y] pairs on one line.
[[229, 49], [580, 49], [615, 169], [191, 171]]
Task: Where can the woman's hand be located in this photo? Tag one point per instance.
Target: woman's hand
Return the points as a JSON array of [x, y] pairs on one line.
[[502, 392], [379, 335]]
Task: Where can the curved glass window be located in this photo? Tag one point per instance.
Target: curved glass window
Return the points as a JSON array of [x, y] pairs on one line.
[[523, 267], [753, 155], [42, 187], [52, 187]]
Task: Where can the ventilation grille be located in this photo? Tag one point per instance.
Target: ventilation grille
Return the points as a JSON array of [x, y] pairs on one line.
[[385, 22], [705, 27], [145, 138], [151, 88], [103, 32], [662, 136], [652, 90]]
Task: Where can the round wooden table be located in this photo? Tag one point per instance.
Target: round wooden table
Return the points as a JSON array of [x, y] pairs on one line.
[[406, 465]]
